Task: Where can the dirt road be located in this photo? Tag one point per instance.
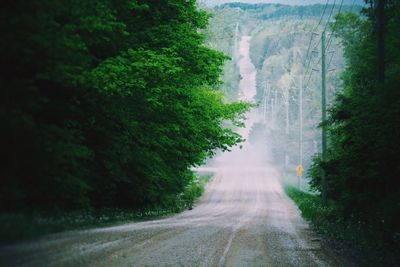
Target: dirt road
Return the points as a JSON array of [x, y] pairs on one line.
[[244, 219]]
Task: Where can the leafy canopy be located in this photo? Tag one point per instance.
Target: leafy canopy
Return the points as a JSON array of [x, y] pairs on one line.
[[107, 103]]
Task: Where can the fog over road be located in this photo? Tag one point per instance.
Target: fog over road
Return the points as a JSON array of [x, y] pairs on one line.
[[243, 219]]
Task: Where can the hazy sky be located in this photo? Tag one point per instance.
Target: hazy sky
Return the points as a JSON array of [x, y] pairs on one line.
[[287, 2]]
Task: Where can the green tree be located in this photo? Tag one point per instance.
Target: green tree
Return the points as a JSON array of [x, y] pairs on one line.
[[107, 103], [364, 156]]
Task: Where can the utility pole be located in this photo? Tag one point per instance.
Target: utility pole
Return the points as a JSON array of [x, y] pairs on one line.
[[265, 101], [263, 105], [287, 112], [275, 107], [272, 112], [323, 78], [286, 98], [300, 127], [235, 45]]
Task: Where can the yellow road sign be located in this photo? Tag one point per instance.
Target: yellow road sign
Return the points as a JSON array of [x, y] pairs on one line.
[[299, 170]]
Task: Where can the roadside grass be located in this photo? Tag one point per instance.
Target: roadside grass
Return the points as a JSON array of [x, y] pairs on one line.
[[359, 235], [24, 226], [313, 211], [289, 178]]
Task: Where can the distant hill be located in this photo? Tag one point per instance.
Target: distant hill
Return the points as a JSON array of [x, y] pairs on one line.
[[269, 11]]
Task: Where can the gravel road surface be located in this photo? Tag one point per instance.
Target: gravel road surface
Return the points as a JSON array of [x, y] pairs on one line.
[[244, 219]]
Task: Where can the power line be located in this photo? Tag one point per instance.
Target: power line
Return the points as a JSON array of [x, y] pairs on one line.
[[334, 26], [310, 57], [309, 71], [351, 9], [308, 80], [333, 32], [334, 29], [323, 13], [326, 24], [330, 60], [312, 34]]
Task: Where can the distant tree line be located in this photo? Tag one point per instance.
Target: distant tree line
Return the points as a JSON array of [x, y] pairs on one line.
[[106, 103], [273, 11]]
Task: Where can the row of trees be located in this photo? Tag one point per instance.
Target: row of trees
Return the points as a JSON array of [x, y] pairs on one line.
[[363, 165], [106, 103], [279, 51], [266, 11]]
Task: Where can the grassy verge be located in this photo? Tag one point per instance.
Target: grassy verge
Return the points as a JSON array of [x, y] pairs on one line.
[[22, 226], [313, 211], [358, 235]]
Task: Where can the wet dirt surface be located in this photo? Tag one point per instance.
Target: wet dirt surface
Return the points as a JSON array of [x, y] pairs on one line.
[[244, 219]]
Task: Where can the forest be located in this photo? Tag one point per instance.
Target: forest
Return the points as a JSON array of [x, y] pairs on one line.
[[107, 103], [362, 166]]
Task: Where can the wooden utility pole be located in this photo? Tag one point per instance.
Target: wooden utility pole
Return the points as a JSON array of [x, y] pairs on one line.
[[272, 111], [235, 44], [323, 93], [263, 107], [300, 127], [275, 106], [287, 112], [265, 101]]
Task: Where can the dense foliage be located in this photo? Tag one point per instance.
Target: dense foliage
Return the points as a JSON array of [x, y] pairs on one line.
[[363, 165], [106, 103], [324, 219], [222, 34]]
